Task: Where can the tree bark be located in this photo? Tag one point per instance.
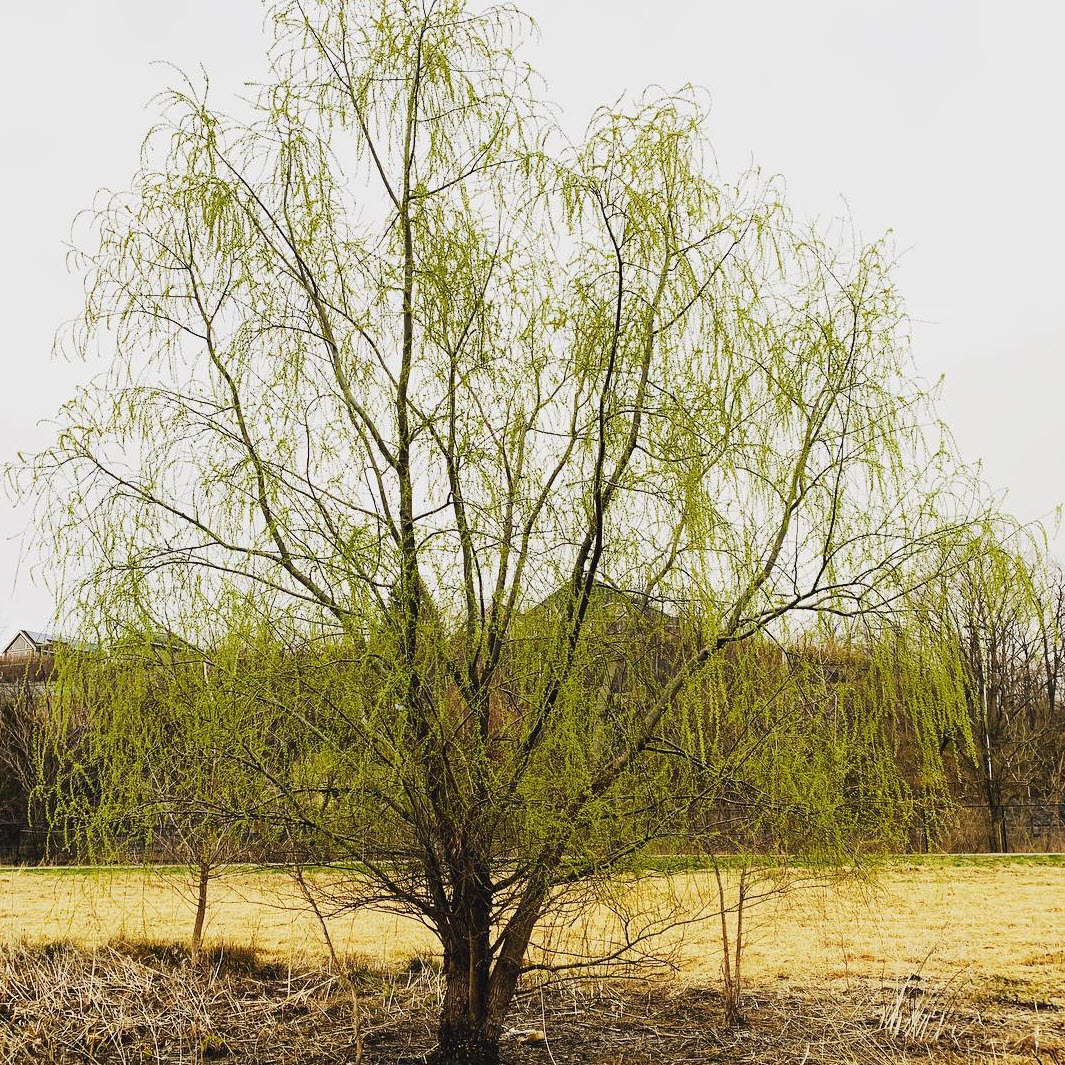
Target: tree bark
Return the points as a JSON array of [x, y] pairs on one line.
[[999, 838], [468, 1033], [201, 907]]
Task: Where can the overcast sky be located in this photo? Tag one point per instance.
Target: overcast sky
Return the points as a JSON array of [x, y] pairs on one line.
[[939, 120]]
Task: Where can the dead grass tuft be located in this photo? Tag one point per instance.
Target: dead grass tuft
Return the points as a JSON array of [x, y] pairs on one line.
[[224, 959], [63, 1004]]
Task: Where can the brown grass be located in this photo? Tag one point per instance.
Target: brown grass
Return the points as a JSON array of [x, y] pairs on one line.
[[995, 927], [143, 1004], [262, 910], [951, 964]]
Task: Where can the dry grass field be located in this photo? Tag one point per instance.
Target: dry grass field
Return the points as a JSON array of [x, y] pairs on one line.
[[997, 922], [983, 938]]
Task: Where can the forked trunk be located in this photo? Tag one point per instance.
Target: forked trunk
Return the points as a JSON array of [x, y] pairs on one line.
[[467, 1034], [474, 1010], [479, 984]]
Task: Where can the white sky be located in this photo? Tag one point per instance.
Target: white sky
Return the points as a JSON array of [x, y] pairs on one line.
[[940, 120]]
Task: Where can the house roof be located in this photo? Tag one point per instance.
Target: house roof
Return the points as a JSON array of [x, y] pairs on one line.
[[40, 640]]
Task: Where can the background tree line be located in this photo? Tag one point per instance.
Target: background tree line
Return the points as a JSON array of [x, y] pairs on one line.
[[997, 626], [141, 758]]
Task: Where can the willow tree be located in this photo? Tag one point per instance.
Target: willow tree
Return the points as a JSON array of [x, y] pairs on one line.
[[519, 433]]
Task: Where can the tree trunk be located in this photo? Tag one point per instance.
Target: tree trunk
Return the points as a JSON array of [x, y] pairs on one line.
[[465, 1036], [997, 840], [201, 908], [468, 1032], [996, 814], [999, 837], [464, 1041]]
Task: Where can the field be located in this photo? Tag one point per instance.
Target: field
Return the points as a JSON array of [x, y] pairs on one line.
[[962, 957]]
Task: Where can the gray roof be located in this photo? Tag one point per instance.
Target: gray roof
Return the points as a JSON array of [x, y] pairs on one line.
[[40, 640]]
